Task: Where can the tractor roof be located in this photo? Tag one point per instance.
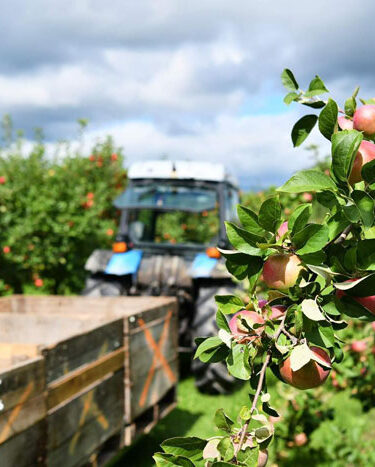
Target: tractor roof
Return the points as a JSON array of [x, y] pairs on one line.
[[180, 170]]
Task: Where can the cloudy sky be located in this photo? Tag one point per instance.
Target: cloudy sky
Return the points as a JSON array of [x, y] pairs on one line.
[[188, 79]]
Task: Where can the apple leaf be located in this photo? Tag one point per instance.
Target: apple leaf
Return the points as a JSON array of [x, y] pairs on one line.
[[302, 129], [328, 119], [288, 80], [301, 355], [311, 310], [345, 145], [308, 180]]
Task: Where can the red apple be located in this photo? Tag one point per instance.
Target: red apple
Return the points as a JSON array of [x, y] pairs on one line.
[[2, 180], [358, 346], [38, 282], [310, 375], [262, 458], [92, 158], [308, 197], [6, 249], [364, 119], [90, 195], [283, 229], [281, 271], [276, 312], [300, 439], [367, 302], [114, 157], [366, 153], [240, 331], [345, 123]]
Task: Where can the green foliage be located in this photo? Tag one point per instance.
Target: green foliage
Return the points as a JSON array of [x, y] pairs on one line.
[[56, 208], [321, 265]]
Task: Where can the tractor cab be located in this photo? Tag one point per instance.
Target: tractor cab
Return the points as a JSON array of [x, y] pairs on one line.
[[172, 220]]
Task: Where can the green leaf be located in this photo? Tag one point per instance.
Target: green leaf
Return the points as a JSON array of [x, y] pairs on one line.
[[242, 265], [349, 307], [328, 119], [222, 421], [302, 129], [300, 356], [365, 205], [316, 87], [229, 304], [299, 218], [360, 288], [191, 447], [269, 214], [290, 97], [336, 225], [226, 449], [243, 240], [314, 104], [288, 80], [237, 362], [308, 180], [352, 213], [222, 321], [366, 254], [311, 239], [169, 460], [345, 145], [248, 457], [350, 106], [208, 345], [368, 172], [311, 310], [249, 220]]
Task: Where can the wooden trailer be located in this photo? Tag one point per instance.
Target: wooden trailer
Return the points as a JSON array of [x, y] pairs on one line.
[[81, 374]]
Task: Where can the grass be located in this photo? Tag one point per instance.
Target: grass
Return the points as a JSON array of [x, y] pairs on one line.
[[192, 417]]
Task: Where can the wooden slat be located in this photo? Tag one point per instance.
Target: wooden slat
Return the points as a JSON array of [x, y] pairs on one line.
[[78, 427], [65, 388], [16, 381], [69, 354], [22, 416], [25, 449]]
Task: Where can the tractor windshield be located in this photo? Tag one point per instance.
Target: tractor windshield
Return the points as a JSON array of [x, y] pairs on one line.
[[174, 213], [168, 196]]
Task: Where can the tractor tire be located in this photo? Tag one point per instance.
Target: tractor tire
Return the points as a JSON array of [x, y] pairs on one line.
[[210, 378], [100, 287]]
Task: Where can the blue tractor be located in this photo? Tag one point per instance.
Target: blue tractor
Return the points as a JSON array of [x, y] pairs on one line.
[[172, 219]]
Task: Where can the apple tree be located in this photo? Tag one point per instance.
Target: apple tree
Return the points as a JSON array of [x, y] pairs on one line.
[[318, 275]]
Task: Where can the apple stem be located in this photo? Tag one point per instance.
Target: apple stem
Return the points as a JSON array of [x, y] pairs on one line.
[[259, 387], [290, 336]]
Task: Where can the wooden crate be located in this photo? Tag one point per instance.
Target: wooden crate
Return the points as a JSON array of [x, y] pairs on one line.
[[22, 420], [111, 366], [150, 335]]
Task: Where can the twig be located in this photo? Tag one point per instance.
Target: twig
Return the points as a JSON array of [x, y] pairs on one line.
[[343, 235], [259, 388], [290, 336]]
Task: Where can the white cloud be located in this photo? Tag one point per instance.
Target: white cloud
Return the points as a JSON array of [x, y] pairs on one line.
[[177, 77]]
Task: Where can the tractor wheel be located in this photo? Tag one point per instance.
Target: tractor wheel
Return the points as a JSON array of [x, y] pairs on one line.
[[100, 287], [210, 377]]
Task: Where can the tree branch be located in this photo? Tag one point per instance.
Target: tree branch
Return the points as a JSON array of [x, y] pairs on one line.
[[342, 237], [259, 388]]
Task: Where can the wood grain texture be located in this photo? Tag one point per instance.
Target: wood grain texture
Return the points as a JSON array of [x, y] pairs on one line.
[[76, 381], [26, 449], [78, 427]]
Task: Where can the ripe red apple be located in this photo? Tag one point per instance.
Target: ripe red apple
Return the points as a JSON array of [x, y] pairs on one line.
[[38, 282], [6, 249], [367, 302], [358, 346], [114, 157], [281, 271], [90, 195], [277, 311], [364, 119], [309, 376], [262, 458], [2, 180], [345, 123], [283, 229], [300, 439], [240, 331], [92, 158], [366, 153], [308, 197]]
